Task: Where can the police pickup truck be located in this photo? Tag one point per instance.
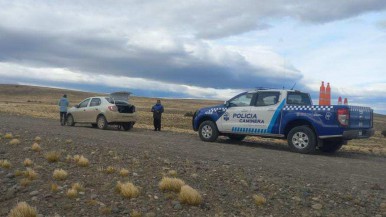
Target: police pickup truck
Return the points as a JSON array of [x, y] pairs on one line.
[[286, 114]]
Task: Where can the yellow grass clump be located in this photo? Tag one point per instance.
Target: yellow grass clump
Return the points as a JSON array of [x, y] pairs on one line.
[[135, 213], [30, 174], [72, 193], [54, 187], [128, 189], [77, 186], [110, 170], [14, 142], [171, 184], [69, 158], [18, 173], [52, 156], [83, 162], [36, 147], [172, 173], [189, 196], [8, 136], [22, 209], [5, 164], [25, 182], [27, 162], [60, 174], [259, 200], [38, 139], [76, 158], [124, 172], [104, 210]]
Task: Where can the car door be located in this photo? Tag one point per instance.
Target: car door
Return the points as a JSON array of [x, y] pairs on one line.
[[79, 114], [92, 110], [237, 111], [266, 112]]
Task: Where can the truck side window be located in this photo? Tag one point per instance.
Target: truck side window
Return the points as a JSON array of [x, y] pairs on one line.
[[267, 98], [296, 98], [242, 100]]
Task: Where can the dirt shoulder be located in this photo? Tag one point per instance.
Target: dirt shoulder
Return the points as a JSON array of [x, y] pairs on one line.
[[226, 174]]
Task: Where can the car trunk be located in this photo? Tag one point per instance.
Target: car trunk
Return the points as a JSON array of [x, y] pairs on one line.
[[121, 100]]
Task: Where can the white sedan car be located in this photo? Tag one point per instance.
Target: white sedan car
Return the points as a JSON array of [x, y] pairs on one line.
[[101, 111]]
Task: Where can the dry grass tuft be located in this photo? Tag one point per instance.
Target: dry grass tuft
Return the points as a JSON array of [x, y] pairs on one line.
[[104, 210], [28, 162], [76, 158], [110, 170], [128, 189], [18, 173], [60, 174], [69, 158], [259, 200], [8, 136], [92, 202], [77, 186], [52, 156], [83, 162], [25, 182], [124, 172], [72, 193], [172, 184], [190, 196], [36, 147], [54, 187], [172, 173], [135, 213], [68, 141], [5, 164], [38, 139], [14, 142], [30, 174], [22, 209]]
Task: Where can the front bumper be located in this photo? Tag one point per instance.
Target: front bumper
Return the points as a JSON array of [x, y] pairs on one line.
[[358, 134]]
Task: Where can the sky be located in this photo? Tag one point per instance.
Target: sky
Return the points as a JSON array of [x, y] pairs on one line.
[[198, 49]]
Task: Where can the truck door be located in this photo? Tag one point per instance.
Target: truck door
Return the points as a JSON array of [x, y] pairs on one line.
[[238, 108], [267, 111]]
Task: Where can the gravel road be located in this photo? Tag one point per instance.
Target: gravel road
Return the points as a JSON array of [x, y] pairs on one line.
[[227, 173]]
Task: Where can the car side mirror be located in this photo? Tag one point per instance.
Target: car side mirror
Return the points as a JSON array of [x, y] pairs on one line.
[[76, 106], [227, 104]]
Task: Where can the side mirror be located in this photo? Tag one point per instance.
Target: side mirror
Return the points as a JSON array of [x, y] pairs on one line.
[[76, 106], [227, 104]]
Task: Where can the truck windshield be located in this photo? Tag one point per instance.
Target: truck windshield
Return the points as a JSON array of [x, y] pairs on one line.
[[297, 98]]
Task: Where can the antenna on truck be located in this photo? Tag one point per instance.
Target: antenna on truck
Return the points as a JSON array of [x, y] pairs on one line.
[[293, 86]]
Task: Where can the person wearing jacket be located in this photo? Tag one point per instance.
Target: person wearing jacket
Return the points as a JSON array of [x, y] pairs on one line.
[[157, 110], [63, 104]]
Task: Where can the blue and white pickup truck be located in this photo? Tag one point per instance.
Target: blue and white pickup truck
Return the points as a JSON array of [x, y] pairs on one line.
[[286, 114]]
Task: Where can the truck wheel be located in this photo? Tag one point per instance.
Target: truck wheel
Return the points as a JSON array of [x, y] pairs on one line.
[[127, 126], [102, 122], [302, 139], [70, 120], [236, 137], [208, 131], [331, 146]]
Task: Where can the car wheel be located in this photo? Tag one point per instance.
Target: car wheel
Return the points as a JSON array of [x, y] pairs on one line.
[[102, 122], [236, 137], [94, 125], [331, 146], [302, 139], [70, 120], [208, 131], [127, 126]]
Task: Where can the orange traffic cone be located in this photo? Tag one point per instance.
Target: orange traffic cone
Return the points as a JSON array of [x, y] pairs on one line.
[[345, 101], [328, 94], [322, 94], [340, 101]]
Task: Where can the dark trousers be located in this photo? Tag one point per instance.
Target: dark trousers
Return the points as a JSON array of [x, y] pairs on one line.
[[157, 124], [63, 118]]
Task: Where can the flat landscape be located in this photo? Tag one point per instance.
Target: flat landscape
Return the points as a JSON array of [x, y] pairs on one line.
[[256, 177]]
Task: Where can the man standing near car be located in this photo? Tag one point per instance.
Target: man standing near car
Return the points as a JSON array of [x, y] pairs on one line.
[[63, 104], [157, 110]]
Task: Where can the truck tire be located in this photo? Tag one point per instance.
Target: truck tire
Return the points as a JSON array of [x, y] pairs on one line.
[[236, 137], [331, 146], [208, 131], [302, 139], [102, 122], [70, 120], [127, 126]]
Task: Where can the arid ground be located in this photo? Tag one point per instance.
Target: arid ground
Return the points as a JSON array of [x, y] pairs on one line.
[[257, 177]]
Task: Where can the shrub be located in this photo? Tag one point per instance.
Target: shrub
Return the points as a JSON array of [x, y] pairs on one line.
[[25, 182], [22, 209], [72, 193], [189, 196], [36, 147], [124, 172], [5, 164], [27, 162], [52, 156], [14, 142], [76, 158], [54, 187], [259, 200], [172, 173], [30, 174], [38, 139], [128, 189], [77, 186], [172, 184], [60, 174], [83, 162], [110, 170], [8, 136], [384, 133]]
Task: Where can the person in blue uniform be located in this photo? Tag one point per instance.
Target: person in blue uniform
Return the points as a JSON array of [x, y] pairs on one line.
[[157, 110], [63, 104]]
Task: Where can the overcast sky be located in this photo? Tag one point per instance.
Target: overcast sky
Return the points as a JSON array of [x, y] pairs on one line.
[[201, 49]]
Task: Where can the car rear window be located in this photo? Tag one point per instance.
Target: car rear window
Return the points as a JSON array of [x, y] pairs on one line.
[[297, 98]]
